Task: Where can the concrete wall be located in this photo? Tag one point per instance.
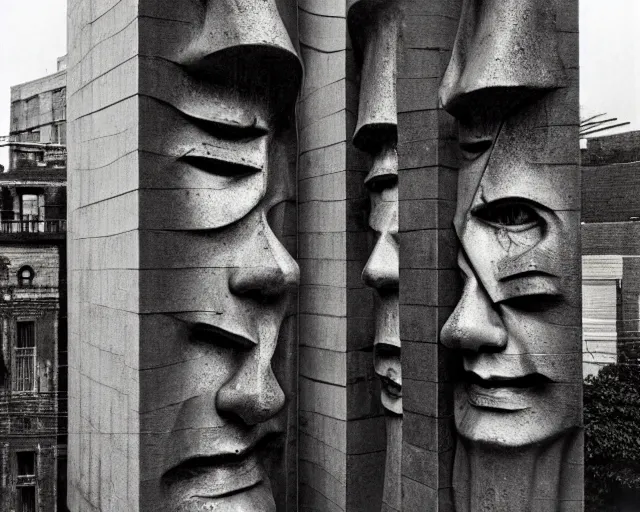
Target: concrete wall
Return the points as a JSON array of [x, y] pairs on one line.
[[611, 238], [609, 192], [428, 277], [341, 427], [103, 255], [115, 260]]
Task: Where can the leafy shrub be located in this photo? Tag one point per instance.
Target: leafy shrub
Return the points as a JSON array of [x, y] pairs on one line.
[[612, 439]]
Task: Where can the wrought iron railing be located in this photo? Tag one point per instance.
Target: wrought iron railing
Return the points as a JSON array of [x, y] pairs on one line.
[[33, 226], [24, 370]]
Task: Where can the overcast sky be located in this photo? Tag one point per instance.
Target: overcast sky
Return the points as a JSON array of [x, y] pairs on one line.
[[33, 35]]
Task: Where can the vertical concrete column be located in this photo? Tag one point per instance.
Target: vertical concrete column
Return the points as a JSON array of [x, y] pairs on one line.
[[427, 179], [342, 432], [103, 243]]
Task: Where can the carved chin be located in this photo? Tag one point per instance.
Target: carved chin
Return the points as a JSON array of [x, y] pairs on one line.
[[514, 418], [258, 498]]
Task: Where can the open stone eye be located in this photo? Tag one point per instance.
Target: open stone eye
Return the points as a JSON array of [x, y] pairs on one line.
[[514, 216]]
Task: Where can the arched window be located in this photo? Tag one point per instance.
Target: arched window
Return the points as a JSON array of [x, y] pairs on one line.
[[25, 275]]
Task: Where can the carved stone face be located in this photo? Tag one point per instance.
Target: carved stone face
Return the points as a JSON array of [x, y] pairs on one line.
[[219, 369], [382, 274], [374, 26], [516, 326]]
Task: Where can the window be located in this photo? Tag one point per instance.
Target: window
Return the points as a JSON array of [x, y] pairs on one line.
[[24, 371], [16, 113], [29, 205], [59, 101], [33, 111], [26, 275], [26, 463], [59, 133], [26, 334], [30, 213]]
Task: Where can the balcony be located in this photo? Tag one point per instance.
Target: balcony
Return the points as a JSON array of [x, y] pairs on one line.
[[14, 226], [33, 226]]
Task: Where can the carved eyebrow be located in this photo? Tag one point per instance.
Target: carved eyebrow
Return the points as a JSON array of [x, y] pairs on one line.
[[229, 129], [228, 157]]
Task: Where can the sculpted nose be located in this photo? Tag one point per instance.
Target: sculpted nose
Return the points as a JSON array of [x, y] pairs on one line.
[[382, 269], [266, 268], [475, 324], [253, 394]]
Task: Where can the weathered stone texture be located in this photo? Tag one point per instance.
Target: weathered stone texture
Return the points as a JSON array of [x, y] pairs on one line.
[[338, 395], [103, 280], [428, 283], [512, 86]]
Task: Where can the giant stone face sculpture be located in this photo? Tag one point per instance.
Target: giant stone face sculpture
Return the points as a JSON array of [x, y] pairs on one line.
[[517, 326], [374, 26], [222, 86]]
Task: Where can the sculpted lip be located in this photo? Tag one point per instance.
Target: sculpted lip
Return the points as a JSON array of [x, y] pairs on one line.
[[212, 478], [216, 476], [503, 393]]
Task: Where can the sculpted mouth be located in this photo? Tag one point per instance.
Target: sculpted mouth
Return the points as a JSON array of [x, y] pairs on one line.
[[215, 476], [502, 393], [527, 381]]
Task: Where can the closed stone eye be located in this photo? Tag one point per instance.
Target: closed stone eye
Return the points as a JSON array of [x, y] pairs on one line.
[[472, 150]]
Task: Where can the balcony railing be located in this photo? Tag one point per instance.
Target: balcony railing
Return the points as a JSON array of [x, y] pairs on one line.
[[33, 226]]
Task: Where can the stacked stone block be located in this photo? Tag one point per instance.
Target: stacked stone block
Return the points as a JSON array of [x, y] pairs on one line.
[[341, 427], [428, 279]]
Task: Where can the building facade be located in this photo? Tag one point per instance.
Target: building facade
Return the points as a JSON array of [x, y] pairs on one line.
[[611, 251], [33, 300], [38, 132]]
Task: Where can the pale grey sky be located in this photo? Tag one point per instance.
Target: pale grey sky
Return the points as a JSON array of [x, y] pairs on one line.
[[33, 35], [610, 59]]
